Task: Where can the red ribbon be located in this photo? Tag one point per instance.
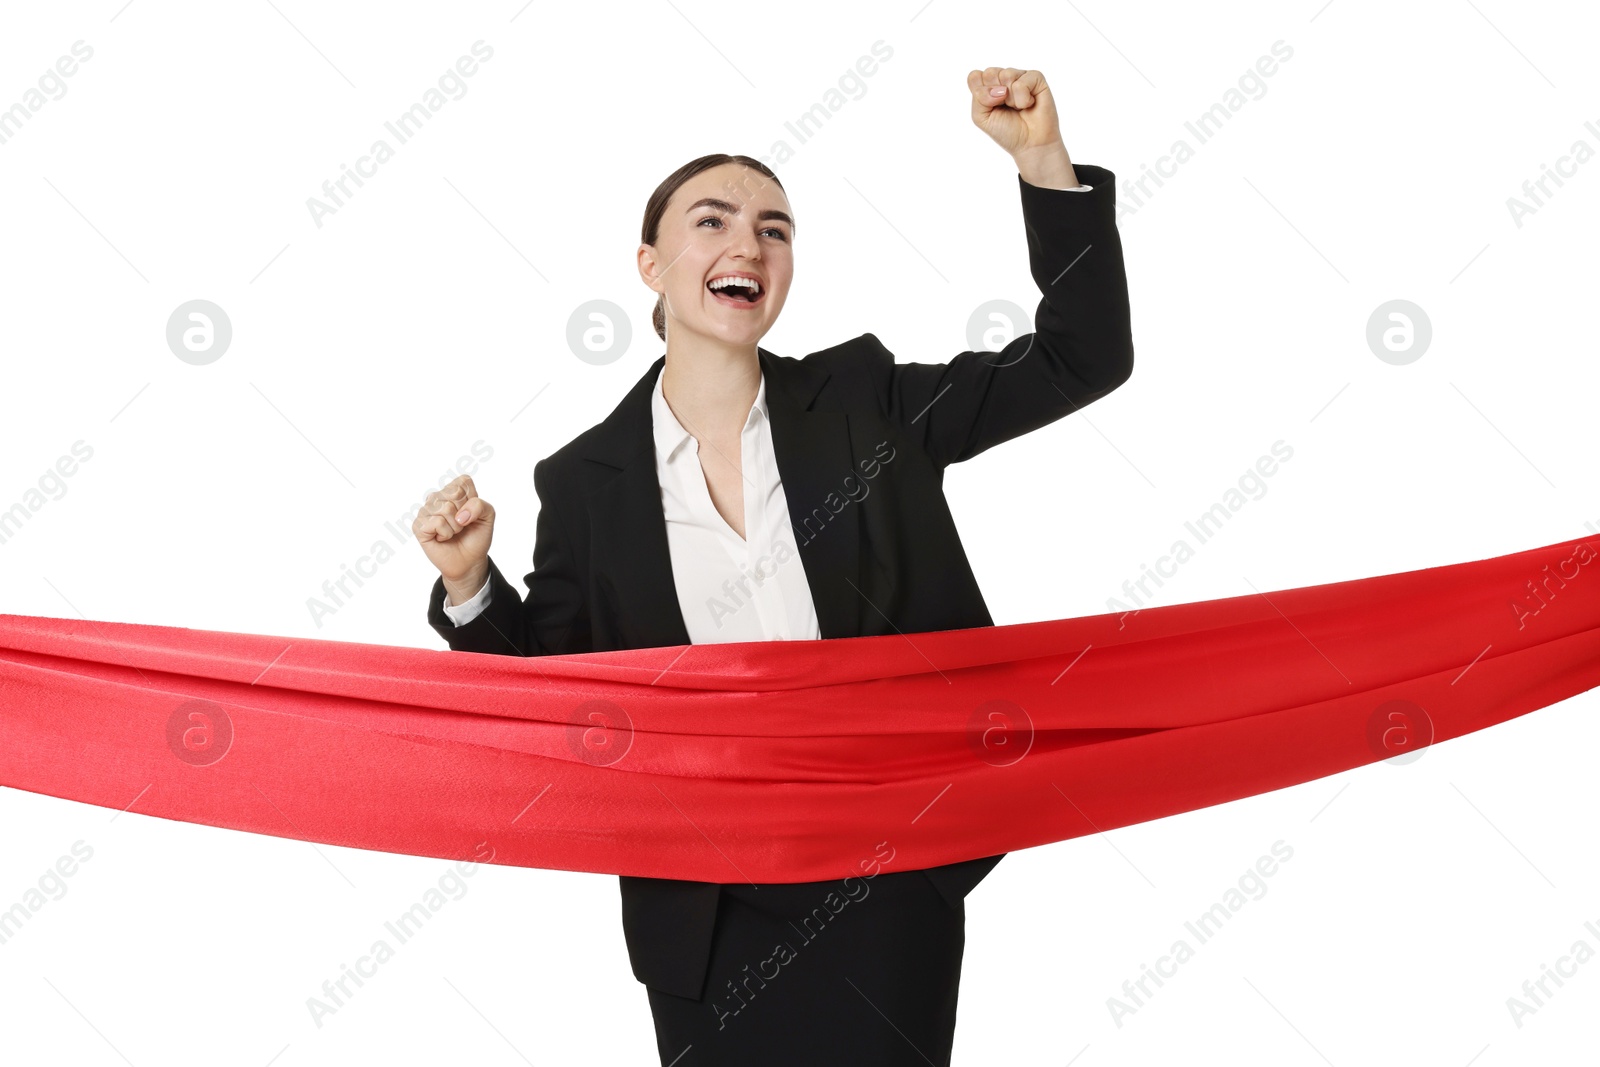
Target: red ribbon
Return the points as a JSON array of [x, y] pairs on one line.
[[789, 761]]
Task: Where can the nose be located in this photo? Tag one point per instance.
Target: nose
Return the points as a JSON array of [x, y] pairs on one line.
[[744, 243]]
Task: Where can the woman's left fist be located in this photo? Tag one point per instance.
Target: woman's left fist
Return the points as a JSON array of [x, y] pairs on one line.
[[1014, 107]]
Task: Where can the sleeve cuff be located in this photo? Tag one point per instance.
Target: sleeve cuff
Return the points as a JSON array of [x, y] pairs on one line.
[[461, 614], [1094, 199]]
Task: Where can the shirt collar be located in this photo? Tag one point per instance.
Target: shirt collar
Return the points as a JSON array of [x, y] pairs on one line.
[[669, 432]]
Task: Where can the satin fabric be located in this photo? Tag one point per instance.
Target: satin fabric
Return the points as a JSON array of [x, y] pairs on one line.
[[791, 761]]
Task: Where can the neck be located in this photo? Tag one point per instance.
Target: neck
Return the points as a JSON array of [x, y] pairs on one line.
[[710, 385]]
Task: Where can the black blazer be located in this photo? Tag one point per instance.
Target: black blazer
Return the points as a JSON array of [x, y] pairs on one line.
[[861, 443]]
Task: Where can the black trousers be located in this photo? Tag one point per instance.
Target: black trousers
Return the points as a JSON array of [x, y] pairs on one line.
[[861, 971]]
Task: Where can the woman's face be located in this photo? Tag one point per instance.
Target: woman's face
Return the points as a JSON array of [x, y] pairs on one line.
[[729, 220]]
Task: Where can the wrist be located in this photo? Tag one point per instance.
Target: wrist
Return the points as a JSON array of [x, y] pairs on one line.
[[1046, 166], [463, 589]]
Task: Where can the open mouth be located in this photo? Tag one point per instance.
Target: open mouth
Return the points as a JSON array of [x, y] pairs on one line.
[[736, 291]]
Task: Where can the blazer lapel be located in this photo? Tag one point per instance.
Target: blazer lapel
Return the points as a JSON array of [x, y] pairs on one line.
[[813, 450], [629, 546], [627, 529]]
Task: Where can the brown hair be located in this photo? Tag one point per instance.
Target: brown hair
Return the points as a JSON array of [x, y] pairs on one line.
[[656, 207]]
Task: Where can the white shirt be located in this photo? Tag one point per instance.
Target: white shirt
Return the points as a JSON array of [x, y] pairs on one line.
[[729, 588]]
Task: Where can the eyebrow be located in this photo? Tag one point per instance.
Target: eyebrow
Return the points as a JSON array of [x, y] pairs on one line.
[[733, 209]]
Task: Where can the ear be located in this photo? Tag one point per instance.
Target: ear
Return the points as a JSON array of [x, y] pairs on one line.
[[650, 268]]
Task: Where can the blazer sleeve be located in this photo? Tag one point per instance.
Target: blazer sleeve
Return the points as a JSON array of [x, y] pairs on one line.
[[1080, 350], [552, 620]]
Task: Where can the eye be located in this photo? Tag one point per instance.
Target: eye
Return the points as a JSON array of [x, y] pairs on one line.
[[774, 230]]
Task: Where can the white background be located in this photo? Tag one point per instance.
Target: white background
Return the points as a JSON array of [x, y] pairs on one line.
[[431, 312]]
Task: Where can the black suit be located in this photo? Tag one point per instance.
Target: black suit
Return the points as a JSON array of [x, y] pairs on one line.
[[876, 537]]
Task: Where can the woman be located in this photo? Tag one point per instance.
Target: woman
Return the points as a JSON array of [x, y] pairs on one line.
[[735, 495]]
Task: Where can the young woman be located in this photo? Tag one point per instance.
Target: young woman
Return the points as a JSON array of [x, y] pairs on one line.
[[736, 495]]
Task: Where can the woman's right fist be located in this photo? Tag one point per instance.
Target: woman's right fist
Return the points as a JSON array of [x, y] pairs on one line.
[[454, 528]]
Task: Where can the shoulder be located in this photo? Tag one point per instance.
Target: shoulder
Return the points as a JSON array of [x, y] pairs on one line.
[[845, 354], [608, 445], [563, 474], [562, 468], [858, 369]]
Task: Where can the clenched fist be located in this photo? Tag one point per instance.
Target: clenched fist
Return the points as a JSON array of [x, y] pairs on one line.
[[454, 528], [1014, 107], [1017, 110]]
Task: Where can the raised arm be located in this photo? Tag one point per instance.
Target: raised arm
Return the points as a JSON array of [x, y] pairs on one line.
[[1082, 344]]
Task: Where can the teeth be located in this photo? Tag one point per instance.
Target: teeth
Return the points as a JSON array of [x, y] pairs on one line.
[[749, 283]]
